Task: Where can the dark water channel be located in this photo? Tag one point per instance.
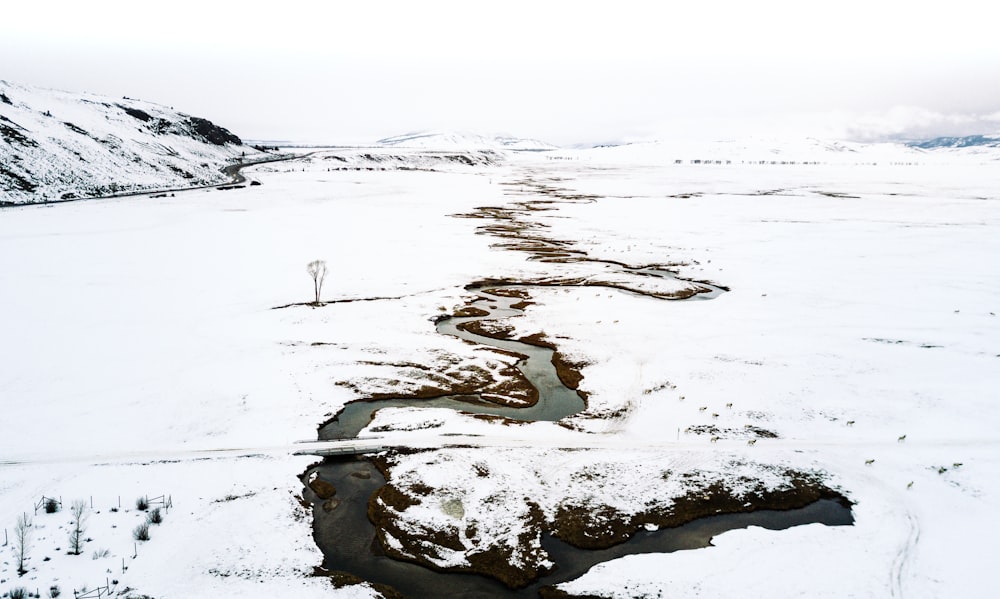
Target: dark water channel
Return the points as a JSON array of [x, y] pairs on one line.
[[347, 538], [555, 400]]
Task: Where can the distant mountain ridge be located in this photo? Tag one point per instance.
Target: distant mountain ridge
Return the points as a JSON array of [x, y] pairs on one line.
[[460, 140], [57, 145], [967, 141]]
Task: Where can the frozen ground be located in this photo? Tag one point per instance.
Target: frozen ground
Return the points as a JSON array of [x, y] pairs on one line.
[[878, 309], [141, 330], [141, 356]]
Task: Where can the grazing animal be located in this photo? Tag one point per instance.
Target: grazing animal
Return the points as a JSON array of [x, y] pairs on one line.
[[702, 408], [869, 462], [714, 415], [752, 442], [942, 470], [729, 405], [909, 485], [957, 465], [901, 438], [850, 423], [714, 439], [681, 398]]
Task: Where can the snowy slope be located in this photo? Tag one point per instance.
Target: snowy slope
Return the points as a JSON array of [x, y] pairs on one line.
[[453, 140], [58, 145], [388, 159]]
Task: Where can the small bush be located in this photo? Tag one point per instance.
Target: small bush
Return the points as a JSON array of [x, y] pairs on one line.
[[102, 553], [141, 504], [51, 505], [18, 593], [141, 532], [54, 591], [155, 516]]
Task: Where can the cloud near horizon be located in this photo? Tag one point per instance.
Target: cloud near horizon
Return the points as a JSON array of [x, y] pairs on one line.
[[902, 123]]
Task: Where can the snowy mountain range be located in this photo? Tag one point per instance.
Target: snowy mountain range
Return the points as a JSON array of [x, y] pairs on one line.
[[451, 140], [967, 141], [57, 145]]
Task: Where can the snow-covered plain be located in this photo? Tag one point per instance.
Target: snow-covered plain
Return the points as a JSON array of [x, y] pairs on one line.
[[877, 305], [142, 356]]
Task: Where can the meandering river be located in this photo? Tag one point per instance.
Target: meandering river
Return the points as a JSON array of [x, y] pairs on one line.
[[344, 533]]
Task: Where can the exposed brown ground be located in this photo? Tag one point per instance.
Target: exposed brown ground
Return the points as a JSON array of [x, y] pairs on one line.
[[418, 547], [599, 527]]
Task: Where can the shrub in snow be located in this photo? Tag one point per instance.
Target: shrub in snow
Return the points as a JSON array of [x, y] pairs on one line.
[[155, 516], [141, 532], [18, 593], [51, 505], [54, 591], [141, 504]]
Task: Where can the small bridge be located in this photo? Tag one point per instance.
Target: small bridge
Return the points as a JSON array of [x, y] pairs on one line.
[[325, 449]]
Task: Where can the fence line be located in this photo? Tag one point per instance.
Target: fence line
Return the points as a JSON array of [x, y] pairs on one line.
[[98, 593], [45, 500]]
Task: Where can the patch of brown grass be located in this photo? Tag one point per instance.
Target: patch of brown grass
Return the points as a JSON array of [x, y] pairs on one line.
[[569, 372], [340, 579], [470, 311], [419, 542], [550, 592], [493, 330], [598, 527]]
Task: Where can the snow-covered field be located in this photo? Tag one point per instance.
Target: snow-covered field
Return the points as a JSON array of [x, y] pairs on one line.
[[142, 356], [878, 309]]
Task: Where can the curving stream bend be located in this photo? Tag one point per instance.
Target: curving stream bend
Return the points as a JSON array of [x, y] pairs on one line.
[[555, 400]]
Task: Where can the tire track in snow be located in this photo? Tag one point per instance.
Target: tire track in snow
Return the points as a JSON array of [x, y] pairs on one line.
[[903, 556]]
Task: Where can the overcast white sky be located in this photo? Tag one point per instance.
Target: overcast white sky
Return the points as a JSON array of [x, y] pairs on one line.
[[566, 72]]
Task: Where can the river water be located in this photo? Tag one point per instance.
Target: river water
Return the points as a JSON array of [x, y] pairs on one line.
[[347, 537]]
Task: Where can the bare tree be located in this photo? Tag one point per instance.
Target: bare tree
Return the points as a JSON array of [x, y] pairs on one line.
[[22, 542], [317, 270], [78, 526]]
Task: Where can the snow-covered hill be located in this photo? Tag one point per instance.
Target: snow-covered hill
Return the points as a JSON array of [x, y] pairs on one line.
[[57, 145], [391, 159], [451, 140]]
